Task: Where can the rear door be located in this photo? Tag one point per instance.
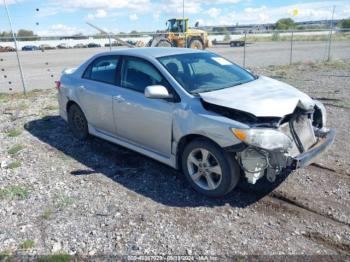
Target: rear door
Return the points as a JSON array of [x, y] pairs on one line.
[[140, 120], [96, 91]]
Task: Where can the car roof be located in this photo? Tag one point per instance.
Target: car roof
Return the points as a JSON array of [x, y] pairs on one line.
[[152, 51]]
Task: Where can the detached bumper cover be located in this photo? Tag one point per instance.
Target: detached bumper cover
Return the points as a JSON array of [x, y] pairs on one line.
[[306, 158]]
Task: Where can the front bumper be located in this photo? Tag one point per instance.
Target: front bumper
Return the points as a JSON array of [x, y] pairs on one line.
[[306, 158]]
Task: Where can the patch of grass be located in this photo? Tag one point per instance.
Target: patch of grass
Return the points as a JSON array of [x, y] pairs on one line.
[[275, 37], [51, 107], [27, 244], [23, 106], [336, 64], [60, 257], [30, 94], [4, 97], [279, 36], [14, 132], [64, 201], [5, 254], [15, 149], [281, 73], [14, 192], [14, 164], [47, 214]]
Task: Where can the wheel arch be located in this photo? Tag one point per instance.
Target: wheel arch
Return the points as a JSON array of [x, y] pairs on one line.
[[70, 103], [185, 140], [73, 102]]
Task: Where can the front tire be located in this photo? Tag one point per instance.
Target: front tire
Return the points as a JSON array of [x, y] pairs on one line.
[[209, 169], [164, 43], [77, 122], [196, 44]]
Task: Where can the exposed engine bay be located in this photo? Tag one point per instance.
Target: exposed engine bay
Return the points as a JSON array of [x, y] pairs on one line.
[[304, 128]]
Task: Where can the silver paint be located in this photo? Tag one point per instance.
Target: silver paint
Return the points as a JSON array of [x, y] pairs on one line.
[[155, 127]]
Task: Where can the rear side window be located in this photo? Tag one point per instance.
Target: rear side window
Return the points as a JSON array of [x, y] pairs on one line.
[[103, 69], [138, 74]]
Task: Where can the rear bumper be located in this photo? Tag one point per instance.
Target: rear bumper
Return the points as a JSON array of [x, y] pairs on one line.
[[306, 158]]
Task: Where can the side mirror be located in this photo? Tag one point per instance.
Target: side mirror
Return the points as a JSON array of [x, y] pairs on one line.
[[157, 92]]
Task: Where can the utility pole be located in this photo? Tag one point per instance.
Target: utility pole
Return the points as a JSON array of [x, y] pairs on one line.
[[330, 36], [184, 23], [16, 47]]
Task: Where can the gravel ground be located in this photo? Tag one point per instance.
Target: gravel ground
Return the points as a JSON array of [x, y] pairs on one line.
[[62, 196]]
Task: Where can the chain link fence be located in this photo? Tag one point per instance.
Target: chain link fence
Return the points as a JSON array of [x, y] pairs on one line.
[[44, 58]]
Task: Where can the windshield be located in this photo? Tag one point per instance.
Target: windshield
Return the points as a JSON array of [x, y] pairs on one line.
[[204, 72], [175, 26]]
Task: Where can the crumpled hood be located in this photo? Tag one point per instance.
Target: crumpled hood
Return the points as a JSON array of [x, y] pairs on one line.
[[264, 97]]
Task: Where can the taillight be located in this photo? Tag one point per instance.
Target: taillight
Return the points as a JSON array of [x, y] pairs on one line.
[[58, 84]]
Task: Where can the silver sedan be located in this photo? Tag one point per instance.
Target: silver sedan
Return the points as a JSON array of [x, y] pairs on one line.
[[194, 111]]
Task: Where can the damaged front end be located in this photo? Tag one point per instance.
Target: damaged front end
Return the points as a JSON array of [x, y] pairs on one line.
[[276, 144]]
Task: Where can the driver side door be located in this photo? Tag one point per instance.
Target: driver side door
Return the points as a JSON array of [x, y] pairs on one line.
[[139, 120]]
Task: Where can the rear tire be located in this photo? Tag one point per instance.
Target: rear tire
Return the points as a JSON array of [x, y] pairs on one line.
[[196, 44], [209, 169], [77, 122], [164, 43]]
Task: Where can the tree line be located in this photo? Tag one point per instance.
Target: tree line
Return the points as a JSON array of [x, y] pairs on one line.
[[23, 34], [288, 23]]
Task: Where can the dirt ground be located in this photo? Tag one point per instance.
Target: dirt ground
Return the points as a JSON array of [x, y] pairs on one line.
[[62, 196]]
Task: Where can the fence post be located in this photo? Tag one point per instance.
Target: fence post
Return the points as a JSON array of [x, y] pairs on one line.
[[330, 36], [110, 43], [245, 43], [291, 49], [16, 47]]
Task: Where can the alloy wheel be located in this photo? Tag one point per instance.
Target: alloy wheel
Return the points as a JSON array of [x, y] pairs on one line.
[[204, 169]]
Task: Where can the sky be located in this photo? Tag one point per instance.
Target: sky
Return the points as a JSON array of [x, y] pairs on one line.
[[67, 17]]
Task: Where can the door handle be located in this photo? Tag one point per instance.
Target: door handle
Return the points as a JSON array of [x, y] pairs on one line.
[[82, 87], [119, 99]]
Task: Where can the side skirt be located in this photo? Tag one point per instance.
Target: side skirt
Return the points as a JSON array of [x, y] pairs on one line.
[[142, 150]]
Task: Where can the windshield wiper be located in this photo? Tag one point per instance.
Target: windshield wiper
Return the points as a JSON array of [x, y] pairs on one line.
[[203, 90], [238, 83]]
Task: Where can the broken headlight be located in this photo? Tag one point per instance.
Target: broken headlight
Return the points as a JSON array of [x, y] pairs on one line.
[[265, 138]]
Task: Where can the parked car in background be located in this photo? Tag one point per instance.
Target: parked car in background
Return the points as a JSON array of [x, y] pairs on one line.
[[46, 47], [195, 111], [63, 46], [231, 43], [79, 46], [7, 49], [130, 42], [93, 45], [114, 43], [30, 48]]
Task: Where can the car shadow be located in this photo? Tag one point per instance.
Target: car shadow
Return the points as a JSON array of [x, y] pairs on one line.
[[139, 173]]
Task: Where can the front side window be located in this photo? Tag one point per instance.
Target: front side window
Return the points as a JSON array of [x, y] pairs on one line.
[[138, 74], [103, 69], [204, 72]]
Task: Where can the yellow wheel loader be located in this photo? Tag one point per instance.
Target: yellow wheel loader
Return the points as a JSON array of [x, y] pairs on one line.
[[178, 34]]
